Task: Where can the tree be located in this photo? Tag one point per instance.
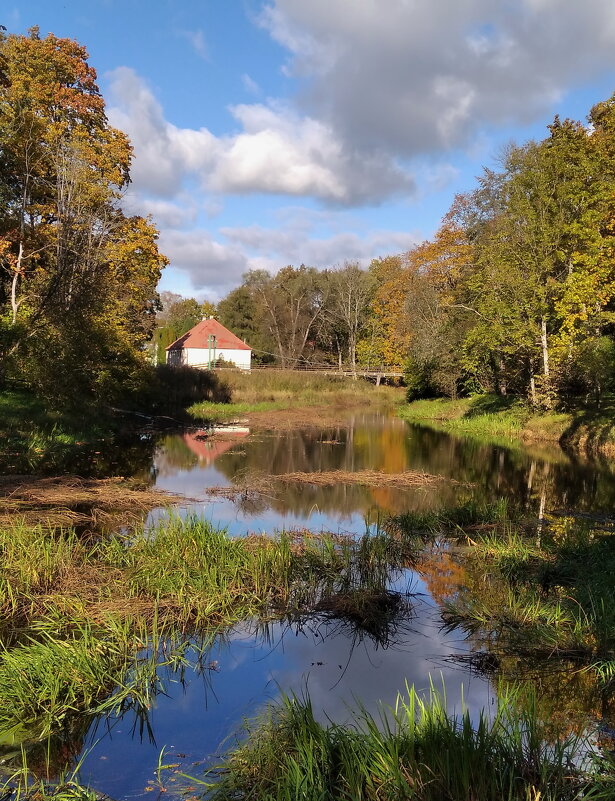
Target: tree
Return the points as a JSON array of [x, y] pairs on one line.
[[350, 290], [68, 254], [292, 302]]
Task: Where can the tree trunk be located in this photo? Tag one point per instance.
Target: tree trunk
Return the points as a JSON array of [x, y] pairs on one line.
[[532, 383], [545, 347]]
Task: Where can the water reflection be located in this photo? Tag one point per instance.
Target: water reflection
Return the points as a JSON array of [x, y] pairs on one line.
[[336, 663], [534, 477], [338, 660]]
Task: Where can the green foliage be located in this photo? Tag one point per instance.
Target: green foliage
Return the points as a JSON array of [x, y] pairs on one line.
[[418, 380]]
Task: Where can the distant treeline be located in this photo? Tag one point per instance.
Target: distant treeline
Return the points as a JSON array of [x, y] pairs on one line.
[[514, 294]]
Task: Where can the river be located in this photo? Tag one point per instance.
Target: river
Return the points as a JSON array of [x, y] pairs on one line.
[[251, 665]]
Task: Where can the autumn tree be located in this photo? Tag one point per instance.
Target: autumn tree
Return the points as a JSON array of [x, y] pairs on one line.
[[73, 268], [292, 302], [349, 294]]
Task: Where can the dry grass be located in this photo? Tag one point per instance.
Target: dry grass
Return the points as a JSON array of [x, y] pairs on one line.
[[74, 501], [366, 478]]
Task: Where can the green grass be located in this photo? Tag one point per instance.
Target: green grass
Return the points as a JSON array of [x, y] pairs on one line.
[[416, 751], [222, 412], [507, 418], [277, 390], [478, 416], [79, 620], [543, 595], [31, 434]]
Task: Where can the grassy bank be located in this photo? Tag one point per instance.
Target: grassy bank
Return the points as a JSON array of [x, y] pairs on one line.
[[492, 416], [417, 751], [262, 392], [92, 436], [80, 618], [545, 594]]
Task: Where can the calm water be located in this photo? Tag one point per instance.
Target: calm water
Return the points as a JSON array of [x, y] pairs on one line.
[[250, 666]]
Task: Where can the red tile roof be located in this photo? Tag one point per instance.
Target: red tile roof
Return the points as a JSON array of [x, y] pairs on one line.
[[197, 337]]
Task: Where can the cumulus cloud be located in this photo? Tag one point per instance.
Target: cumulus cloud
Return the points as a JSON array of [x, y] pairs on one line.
[[419, 77], [296, 243], [211, 266], [276, 151]]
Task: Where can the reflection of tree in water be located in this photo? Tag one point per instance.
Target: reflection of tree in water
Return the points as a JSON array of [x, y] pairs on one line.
[[528, 476], [523, 474], [369, 444], [129, 454], [443, 573], [173, 454]]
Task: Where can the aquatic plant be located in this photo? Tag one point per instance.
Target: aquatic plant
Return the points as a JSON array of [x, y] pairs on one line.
[[88, 624], [416, 750], [548, 593]]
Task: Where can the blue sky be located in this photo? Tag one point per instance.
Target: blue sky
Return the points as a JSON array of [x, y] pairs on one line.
[[270, 132]]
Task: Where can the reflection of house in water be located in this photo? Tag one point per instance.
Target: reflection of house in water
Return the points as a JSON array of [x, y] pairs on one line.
[[207, 446]]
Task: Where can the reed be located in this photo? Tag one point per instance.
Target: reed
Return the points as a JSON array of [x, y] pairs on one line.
[[456, 520], [88, 626], [549, 594], [416, 750]]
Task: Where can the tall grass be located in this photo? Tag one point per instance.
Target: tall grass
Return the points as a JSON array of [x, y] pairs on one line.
[[548, 594], [276, 390], [417, 751], [88, 626], [454, 520]]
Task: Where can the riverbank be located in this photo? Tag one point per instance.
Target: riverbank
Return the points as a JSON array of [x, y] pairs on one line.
[[283, 399], [590, 430]]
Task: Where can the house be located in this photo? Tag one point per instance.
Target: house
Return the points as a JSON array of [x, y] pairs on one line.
[[206, 344]]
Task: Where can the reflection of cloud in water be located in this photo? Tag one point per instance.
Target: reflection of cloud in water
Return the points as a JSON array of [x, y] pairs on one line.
[[363, 673], [196, 717]]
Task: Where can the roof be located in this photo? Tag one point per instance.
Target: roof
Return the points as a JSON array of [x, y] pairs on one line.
[[198, 336]]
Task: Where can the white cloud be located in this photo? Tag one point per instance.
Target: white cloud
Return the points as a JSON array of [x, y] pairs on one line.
[[215, 265], [165, 213], [297, 244], [276, 151], [415, 78], [211, 266]]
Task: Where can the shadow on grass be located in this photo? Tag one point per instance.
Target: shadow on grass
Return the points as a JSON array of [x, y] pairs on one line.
[[492, 404], [591, 427]]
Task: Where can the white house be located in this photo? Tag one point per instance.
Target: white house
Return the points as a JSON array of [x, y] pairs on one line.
[[207, 343]]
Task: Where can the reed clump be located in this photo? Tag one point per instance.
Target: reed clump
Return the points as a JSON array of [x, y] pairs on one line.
[[82, 617], [75, 501], [366, 478], [545, 594], [462, 520], [418, 751]]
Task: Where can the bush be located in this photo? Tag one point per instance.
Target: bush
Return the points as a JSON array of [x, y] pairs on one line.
[[591, 371], [418, 379]]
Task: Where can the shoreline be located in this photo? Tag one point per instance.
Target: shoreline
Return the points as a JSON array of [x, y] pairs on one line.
[[587, 432]]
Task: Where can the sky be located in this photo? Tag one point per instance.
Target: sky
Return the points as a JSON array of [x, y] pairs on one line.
[[275, 132]]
